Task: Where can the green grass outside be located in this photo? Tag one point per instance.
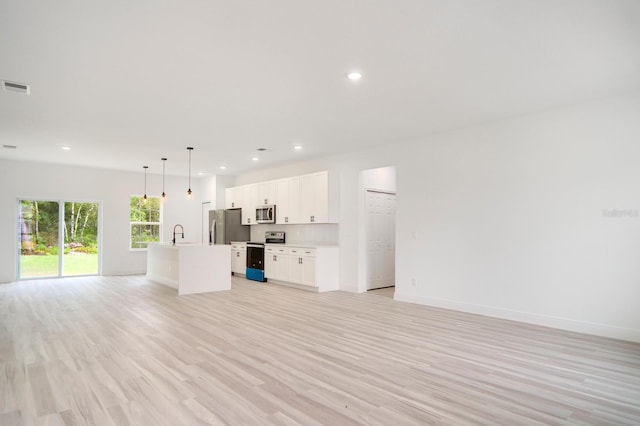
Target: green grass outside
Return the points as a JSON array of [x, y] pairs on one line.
[[47, 265]]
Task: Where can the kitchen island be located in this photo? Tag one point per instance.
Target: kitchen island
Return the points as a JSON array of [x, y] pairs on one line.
[[190, 268]]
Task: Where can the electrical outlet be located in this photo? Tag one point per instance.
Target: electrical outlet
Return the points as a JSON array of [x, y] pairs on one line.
[[413, 282]]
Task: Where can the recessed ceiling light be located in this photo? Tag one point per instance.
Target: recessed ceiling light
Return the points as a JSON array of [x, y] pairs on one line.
[[65, 148], [354, 75], [297, 147], [223, 167], [200, 173], [255, 159]]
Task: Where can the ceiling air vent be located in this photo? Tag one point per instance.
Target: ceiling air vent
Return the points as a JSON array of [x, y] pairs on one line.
[[15, 87]]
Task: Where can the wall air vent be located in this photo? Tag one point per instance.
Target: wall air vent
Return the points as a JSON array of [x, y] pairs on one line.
[[12, 86], [9, 146]]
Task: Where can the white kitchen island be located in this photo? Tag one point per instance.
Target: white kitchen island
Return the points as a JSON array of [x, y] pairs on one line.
[[190, 268]]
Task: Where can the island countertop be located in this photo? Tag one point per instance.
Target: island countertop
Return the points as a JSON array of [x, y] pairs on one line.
[[190, 268]]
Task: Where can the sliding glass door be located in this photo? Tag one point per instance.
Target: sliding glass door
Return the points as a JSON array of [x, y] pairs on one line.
[[39, 238], [80, 239], [58, 238]]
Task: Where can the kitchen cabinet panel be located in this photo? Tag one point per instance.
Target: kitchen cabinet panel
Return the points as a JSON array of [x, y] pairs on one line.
[[250, 193], [266, 193], [302, 267], [306, 268], [311, 198], [287, 200], [276, 265], [231, 198], [319, 198], [238, 258]]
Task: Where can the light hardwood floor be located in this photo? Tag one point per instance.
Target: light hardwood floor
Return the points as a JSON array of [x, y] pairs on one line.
[[123, 350]]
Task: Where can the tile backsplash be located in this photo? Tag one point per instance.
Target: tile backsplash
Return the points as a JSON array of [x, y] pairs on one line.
[[317, 233]]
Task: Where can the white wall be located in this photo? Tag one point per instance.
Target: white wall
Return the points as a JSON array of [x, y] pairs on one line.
[[379, 179], [506, 219], [111, 188]]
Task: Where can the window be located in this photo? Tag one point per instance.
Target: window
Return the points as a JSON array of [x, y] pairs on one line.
[[145, 221]]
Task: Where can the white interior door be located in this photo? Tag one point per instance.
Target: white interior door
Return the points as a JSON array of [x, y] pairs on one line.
[[380, 239]]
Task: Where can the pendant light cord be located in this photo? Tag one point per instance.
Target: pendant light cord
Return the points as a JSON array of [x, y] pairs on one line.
[[145, 182], [189, 148], [164, 161]]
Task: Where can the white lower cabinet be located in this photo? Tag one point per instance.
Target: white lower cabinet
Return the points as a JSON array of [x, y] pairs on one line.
[[276, 263], [303, 267], [239, 258]]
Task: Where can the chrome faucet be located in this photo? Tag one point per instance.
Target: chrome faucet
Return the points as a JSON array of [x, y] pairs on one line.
[[173, 242]]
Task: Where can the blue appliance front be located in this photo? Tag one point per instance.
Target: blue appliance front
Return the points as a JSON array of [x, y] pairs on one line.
[[255, 275], [255, 262]]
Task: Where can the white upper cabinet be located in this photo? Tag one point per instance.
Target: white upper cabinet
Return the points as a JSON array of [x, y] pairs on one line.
[[231, 200], [287, 200], [242, 197], [311, 198], [318, 198], [250, 195], [266, 193]]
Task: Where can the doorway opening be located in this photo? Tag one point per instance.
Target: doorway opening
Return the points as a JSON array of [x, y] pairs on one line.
[[57, 239]]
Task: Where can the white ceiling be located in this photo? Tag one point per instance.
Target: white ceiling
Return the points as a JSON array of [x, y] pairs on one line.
[[125, 83]]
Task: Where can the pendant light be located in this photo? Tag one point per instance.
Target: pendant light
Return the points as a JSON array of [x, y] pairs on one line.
[[189, 148], [144, 199], [164, 161]]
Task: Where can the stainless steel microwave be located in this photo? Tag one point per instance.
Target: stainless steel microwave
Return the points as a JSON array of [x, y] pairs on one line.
[[266, 214]]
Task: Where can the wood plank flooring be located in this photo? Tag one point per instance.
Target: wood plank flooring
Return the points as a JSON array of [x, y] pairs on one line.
[[126, 351]]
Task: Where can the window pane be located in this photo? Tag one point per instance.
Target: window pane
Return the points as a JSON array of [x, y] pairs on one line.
[[38, 238], [145, 221], [80, 239], [141, 235]]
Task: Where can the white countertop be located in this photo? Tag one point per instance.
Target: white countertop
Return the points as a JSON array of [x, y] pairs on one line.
[[302, 245]]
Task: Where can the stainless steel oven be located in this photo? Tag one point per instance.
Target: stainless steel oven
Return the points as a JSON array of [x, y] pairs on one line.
[[255, 255]]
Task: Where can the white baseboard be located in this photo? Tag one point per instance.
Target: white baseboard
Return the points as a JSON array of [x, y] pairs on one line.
[[526, 317]]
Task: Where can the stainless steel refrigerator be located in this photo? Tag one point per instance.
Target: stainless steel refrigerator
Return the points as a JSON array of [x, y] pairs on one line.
[[226, 226]]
